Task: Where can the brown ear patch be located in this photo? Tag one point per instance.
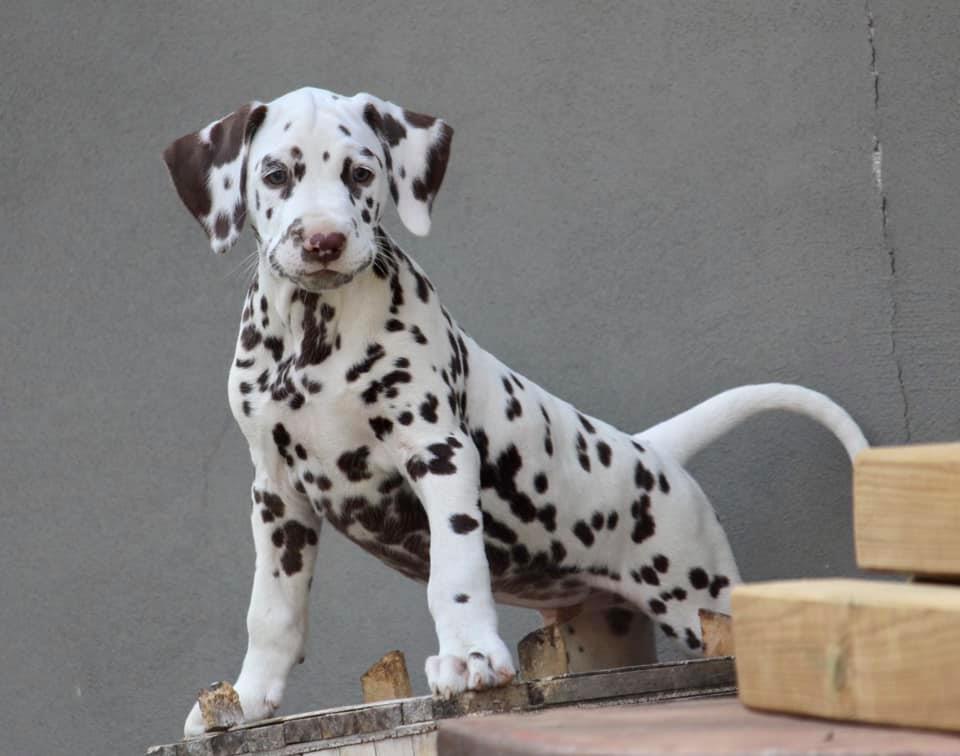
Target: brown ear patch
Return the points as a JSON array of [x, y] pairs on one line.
[[385, 126], [426, 188], [419, 120], [190, 160], [227, 136]]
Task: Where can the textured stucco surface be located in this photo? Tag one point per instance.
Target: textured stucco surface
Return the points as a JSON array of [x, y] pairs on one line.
[[647, 203]]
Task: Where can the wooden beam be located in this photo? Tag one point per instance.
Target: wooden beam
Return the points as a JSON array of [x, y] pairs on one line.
[[860, 650], [907, 509]]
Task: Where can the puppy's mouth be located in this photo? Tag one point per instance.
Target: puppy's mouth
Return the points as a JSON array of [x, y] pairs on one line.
[[314, 278], [324, 279]]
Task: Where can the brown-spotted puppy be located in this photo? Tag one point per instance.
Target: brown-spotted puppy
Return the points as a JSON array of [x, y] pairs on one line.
[[366, 405]]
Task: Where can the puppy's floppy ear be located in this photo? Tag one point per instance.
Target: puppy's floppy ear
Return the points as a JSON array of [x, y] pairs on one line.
[[416, 148], [209, 172]]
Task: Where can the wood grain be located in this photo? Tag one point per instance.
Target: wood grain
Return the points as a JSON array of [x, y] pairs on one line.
[[906, 503], [859, 650], [694, 728], [717, 632], [588, 642], [386, 680]]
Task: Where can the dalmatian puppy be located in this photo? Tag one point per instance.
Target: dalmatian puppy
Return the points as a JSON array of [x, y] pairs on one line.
[[366, 406]]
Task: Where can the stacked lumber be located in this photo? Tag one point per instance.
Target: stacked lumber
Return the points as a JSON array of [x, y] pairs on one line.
[[906, 513], [868, 650]]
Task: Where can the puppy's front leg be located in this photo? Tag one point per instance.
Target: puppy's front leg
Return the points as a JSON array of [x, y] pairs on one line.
[[472, 656], [285, 535]]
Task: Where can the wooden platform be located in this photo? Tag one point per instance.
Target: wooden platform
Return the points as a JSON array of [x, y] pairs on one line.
[[706, 726], [408, 726]]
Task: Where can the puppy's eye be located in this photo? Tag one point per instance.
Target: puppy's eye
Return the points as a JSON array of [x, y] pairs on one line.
[[276, 177], [362, 175]]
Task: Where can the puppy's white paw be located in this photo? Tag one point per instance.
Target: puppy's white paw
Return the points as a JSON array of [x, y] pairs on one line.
[[483, 665], [194, 727]]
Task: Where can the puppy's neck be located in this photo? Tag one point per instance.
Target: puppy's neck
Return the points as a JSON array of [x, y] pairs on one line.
[[346, 317]]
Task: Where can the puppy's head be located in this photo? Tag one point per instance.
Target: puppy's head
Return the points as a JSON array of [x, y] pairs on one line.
[[312, 172]]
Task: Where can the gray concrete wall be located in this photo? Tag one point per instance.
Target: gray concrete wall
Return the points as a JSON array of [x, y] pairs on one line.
[[647, 203]]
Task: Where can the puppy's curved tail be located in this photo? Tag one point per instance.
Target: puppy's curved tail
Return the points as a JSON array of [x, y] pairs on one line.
[[685, 434]]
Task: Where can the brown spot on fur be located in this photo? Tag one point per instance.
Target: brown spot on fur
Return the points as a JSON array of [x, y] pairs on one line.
[[619, 620], [388, 128], [221, 228], [426, 188], [239, 214], [419, 120]]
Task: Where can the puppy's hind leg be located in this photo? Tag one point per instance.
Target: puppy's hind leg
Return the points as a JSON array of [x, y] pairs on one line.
[[687, 565]]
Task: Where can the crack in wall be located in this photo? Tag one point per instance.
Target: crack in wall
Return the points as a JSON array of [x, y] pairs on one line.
[[876, 159]]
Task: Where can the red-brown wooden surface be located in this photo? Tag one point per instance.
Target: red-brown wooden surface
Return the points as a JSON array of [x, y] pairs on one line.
[[703, 726]]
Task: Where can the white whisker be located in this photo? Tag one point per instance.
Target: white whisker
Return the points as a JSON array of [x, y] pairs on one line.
[[245, 267]]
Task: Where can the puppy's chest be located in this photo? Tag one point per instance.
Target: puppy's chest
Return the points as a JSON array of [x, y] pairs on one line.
[[297, 411]]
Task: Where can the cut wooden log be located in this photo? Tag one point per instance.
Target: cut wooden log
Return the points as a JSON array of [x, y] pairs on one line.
[[717, 632], [387, 679], [860, 650], [906, 503], [543, 653], [587, 642], [220, 707]]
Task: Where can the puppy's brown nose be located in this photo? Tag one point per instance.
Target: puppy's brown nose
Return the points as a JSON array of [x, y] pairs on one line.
[[324, 248]]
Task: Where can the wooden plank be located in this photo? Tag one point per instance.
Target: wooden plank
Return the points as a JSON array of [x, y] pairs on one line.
[[360, 749], [508, 698], [336, 728], [425, 744], [701, 675], [394, 747], [705, 726], [415, 710], [907, 508], [409, 738], [850, 649], [341, 723]]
